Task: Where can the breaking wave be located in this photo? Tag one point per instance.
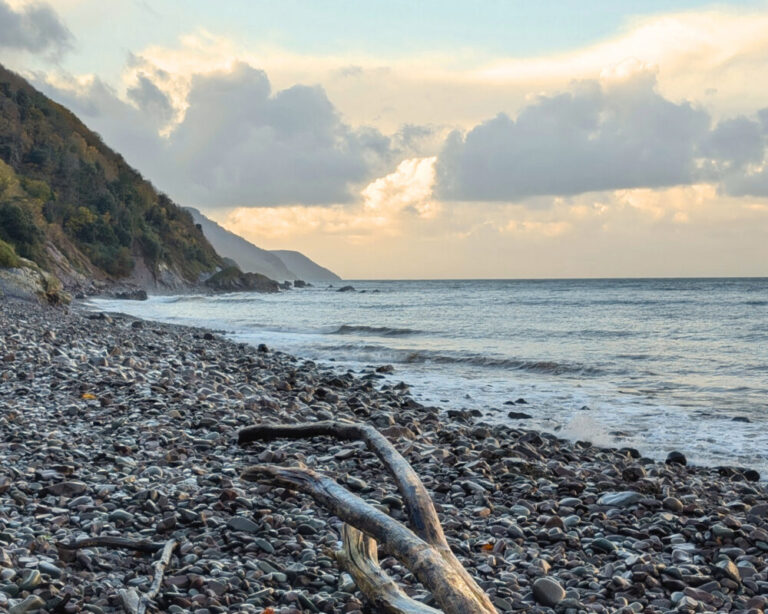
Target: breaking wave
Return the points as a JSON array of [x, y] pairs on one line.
[[382, 331]]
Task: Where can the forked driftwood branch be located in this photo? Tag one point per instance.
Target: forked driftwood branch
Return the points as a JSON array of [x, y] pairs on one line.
[[359, 557], [423, 549]]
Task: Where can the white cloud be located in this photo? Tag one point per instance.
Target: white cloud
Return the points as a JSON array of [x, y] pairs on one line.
[[620, 134], [388, 206]]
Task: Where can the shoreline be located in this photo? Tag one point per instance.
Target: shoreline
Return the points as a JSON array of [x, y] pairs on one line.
[[653, 413], [111, 427]]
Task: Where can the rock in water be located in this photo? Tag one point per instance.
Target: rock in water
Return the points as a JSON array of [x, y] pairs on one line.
[[676, 458], [233, 279], [548, 592], [518, 415]]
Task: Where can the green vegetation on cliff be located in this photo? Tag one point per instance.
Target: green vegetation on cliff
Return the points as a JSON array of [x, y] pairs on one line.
[[64, 192]]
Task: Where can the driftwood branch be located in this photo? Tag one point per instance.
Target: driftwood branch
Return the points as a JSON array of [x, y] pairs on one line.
[[360, 559], [418, 504], [106, 541], [424, 549], [135, 603], [160, 566]]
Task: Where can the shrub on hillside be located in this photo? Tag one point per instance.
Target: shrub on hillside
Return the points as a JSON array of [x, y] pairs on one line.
[[8, 258]]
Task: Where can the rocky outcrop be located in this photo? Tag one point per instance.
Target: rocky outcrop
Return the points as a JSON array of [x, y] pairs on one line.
[[233, 279], [29, 282]]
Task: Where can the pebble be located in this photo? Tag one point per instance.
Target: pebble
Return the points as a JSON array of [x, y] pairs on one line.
[[240, 523], [31, 603], [620, 499], [547, 591]]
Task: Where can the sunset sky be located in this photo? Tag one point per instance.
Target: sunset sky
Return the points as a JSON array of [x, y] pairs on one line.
[[434, 139]]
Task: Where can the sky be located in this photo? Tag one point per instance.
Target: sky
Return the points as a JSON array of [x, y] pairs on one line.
[[434, 139]]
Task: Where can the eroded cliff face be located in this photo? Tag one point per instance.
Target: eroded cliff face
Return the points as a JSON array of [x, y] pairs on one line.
[[27, 281]]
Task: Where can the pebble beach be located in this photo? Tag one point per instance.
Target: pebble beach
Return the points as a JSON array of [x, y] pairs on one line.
[[111, 426]]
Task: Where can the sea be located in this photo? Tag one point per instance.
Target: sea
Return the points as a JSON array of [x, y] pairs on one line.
[[654, 364]]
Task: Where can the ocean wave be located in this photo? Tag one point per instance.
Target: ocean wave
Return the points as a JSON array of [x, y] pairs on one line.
[[383, 331], [382, 353], [756, 303], [536, 366]]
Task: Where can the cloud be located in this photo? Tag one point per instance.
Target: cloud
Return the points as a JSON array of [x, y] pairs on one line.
[[388, 206], [35, 28], [241, 144], [713, 57], [151, 100], [238, 142], [681, 230], [597, 136], [735, 142], [739, 148]]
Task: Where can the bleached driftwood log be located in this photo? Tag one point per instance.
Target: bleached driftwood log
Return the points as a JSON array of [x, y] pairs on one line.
[[360, 558], [423, 549]]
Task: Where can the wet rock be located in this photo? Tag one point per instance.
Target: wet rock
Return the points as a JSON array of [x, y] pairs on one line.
[[676, 458], [518, 415]]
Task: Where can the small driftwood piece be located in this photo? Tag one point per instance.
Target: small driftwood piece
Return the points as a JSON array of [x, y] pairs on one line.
[[106, 541], [135, 603], [423, 549]]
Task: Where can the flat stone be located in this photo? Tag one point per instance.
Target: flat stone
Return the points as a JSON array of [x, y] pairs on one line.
[[241, 523], [70, 488], [603, 545], [548, 592], [620, 499], [50, 569]]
